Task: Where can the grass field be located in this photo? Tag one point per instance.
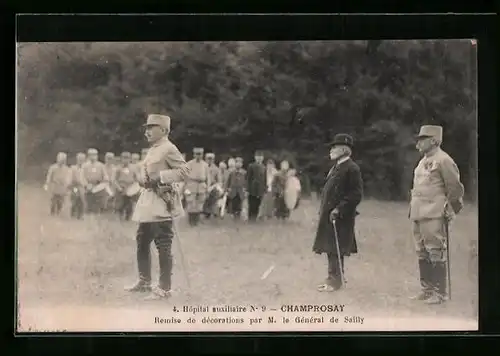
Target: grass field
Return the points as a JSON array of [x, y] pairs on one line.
[[65, 263]]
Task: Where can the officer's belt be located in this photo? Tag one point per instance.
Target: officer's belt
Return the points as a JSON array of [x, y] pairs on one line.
[[427, 194]]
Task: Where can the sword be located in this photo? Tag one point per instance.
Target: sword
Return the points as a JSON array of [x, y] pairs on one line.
[[447, 232], [183, 263], [338, 251], [448, 258]]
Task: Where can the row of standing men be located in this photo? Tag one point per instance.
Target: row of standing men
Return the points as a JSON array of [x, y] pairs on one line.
[[210, 190]]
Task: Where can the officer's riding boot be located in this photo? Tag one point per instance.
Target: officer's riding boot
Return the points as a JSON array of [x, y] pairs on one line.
[[144, 267], [438, 283], [424, 267], [166, 264]]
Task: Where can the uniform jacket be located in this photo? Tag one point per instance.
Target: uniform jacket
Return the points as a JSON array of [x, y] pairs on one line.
[[343, 190], [436, 187], [236, 183], [279, 183], [163, 162], [125, 176], [95, 172], [58, 178], [214, 173], [198, 179], [77, 177], [111, 173], [256, 179]]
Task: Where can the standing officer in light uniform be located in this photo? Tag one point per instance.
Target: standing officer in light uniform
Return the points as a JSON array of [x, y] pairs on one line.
[[58, 179], [197, 183], [110, 166], [209, 207], [77, 186], [162, 166], [436, 197], [124, 178], [94, 173]]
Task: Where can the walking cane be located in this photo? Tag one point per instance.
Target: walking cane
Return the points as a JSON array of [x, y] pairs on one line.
[[338, 251], [446, 228], [186, 274]]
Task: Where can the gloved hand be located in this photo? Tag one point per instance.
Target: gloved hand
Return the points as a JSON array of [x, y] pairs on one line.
[[334, 214]]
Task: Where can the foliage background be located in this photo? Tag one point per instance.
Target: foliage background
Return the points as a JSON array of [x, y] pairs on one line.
[[288, 98]]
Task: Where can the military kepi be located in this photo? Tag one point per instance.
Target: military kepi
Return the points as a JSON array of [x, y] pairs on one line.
[[431, 131], [343, 139], [158, 120], [198, 150]]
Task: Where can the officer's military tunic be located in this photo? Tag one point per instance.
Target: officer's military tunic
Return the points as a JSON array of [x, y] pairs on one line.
[[164, 163], [57, 181], [437, 193]]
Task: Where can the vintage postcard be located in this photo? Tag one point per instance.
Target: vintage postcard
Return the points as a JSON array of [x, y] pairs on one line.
[[247, 186]]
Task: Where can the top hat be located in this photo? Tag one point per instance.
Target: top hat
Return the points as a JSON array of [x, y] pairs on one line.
[[343, 139]]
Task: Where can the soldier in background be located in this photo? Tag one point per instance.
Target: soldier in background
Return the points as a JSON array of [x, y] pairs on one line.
[[125, 177], [77, 186], [94, 174], [110, 166], [195, 188], [267, 206], [256, 181], [436, 197], [278, 189], [209, 207], [134, 161], [236, 188], [155, 212], [231, 166], [57, 183]]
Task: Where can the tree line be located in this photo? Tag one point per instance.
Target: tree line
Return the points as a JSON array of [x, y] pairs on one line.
[[286, 98]]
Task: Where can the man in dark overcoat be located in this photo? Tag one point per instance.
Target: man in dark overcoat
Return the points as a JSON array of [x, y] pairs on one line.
[[341, 194]]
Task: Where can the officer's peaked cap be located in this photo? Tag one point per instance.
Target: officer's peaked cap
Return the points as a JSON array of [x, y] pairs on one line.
[[431, 131], [158, 120]]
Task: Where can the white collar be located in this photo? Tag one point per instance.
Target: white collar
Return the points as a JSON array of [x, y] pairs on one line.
[[342, 160]]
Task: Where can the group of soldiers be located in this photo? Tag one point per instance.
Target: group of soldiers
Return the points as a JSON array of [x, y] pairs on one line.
[[95, 187], [168, 186], [209, 189]]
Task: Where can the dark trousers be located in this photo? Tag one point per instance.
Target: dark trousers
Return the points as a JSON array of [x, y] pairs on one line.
[[95, 202], [77, 206], [335, 266], [124, 206], [194, 218], [56, 204], [236, 204], [253, 207], [162, 234]]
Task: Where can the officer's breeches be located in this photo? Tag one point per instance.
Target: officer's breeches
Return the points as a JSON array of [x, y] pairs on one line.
[[162, 234], [430, 244], [430, 239]]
